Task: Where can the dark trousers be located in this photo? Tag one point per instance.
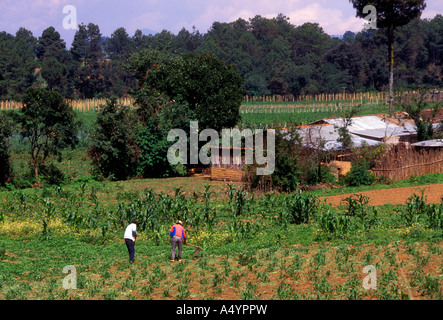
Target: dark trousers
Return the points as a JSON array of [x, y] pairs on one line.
[[131, 249], [176, 242]]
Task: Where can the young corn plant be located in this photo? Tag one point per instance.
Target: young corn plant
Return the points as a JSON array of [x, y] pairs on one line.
[[241, 230], [74, 218], [414, 209], [357, 206], [435, 216], [206, 214], [302, 207], [333, 225], [240, 203], [49, 211]]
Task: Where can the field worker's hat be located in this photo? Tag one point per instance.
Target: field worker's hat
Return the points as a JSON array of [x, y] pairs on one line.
[[179, 222]]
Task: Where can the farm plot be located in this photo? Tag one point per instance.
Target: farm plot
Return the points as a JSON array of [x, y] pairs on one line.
[[302, 113], [272, 247]]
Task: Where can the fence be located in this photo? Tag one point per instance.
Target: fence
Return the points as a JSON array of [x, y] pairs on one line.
[[402, 163], [317, 97], [340, 99], [79, 105], [357, 97]]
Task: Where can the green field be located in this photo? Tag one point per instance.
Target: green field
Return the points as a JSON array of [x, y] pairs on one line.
[[253, 247], [303, 112]]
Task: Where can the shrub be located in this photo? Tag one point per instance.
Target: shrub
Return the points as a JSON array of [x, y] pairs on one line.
[[52, 175], [318, 175], [153, 152], [359, 175], [286, 175]]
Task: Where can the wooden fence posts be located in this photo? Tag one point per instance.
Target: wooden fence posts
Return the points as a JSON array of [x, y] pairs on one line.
[[340, 99], [79, 105], [401, 163]]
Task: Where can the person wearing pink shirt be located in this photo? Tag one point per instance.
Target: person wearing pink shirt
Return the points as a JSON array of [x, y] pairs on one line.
[[178, 236]]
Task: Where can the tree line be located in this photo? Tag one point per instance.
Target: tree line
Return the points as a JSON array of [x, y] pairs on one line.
[[272, 55]]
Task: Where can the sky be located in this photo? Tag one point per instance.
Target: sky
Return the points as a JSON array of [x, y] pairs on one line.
[[335, 17]]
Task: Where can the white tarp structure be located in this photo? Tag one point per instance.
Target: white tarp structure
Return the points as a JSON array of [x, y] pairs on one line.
[[434, 143], [370, 130]]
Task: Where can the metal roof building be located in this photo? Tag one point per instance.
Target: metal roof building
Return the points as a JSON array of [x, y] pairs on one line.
[[434, 143], [363, 129]]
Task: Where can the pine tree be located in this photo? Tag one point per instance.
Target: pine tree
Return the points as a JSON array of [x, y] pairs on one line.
[[391, 14]]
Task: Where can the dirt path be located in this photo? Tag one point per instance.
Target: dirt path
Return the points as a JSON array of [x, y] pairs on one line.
[[433, 192]]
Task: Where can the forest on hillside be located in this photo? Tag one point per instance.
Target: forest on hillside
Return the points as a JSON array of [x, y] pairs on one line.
[[272, 55]]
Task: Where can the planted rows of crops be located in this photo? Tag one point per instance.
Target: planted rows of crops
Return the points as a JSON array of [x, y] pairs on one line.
[[250, 244], [242, 216], [285, 113]]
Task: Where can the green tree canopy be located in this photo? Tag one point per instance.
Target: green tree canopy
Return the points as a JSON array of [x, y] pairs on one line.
[[210, 88], [17, 63], [48, 123], [5, 165], [57, 65], [114, 151]]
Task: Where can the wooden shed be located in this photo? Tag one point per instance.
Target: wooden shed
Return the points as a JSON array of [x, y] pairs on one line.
[[228, 166]]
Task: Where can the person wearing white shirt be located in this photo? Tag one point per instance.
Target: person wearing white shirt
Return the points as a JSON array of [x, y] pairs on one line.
[[130, 238]]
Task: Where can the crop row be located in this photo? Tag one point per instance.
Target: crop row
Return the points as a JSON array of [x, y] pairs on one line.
[[241, 217]]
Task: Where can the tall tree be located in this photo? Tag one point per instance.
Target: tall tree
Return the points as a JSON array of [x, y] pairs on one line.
[[56, 61], [120, 45], [87, 50], [5, 164], [209, 87], [391, 14], [48, 122], [17, 63], [113, 150]]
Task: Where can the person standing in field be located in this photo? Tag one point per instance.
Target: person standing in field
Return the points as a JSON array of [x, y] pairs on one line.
[[178, 236], [130, 238]]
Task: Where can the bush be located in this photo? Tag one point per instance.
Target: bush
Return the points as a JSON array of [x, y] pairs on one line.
[[52, 175], [325, 175], [286, 175], [153, 152], [358, 176]]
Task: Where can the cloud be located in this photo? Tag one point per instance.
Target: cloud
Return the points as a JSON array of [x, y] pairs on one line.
[[335, 17], [332, 20]]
